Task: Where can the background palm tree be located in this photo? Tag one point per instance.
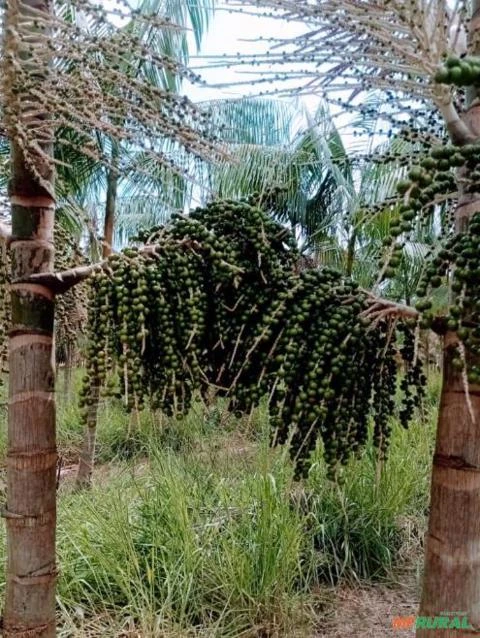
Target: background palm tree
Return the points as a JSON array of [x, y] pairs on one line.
[[132, 181], [340, 196]]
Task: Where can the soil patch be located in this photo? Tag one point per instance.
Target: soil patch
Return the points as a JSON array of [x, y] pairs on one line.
[[368, 612]]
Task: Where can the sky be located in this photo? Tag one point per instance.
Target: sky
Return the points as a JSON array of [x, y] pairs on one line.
[[231, 33]]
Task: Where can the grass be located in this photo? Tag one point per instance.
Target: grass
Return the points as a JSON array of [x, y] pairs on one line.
[[196, 528], [363, 528]]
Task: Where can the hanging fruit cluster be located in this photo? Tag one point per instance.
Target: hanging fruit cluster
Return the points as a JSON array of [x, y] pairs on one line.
[[215, 300], [459, 260], [430, 185], [463, 71], [447, 173], [325, 369], [172, 315], [413, 382]]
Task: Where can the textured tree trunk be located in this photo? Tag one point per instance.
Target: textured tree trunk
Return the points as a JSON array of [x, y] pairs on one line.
[[67, 372], [31, 458], [351, 252], [87, 454], [111, 203], [30, 511], [452, 557]]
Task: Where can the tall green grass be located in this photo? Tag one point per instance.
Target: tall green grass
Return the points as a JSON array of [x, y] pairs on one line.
[[183, 547], [363, 529], [196, 528]]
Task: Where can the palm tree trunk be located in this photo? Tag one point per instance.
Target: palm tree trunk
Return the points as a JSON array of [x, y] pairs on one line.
[[111, 202], [87, 454], [31, 458], [351, 252], [452, 557], [30, 511], [67, 372]]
